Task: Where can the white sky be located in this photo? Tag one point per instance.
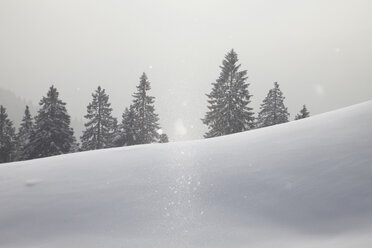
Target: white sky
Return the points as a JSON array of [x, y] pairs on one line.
[[319, 51]]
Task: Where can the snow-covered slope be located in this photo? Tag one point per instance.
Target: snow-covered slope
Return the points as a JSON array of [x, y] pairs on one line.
[[306, 183]]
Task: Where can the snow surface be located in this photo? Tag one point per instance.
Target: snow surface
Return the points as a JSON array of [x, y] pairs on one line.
[[307, 183]]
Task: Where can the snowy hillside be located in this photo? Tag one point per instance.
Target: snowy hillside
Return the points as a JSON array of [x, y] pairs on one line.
[[306, 183]]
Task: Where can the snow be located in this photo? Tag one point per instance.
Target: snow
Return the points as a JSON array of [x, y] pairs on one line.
[[306, 183]]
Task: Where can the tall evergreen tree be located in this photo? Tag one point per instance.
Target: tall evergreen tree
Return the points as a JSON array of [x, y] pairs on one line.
[[101, 126], [229, 110], [52, 134], [273, 110], [145, 119], [127, 128], [24, 133], [7, 137], [304, 113]]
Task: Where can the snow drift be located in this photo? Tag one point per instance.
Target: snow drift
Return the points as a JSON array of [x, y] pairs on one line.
[[307, 183]]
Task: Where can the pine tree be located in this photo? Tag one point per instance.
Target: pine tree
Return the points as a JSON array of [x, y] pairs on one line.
[[24, 133], [303, 113], [163, 138], [272, 110], [52, 133], [7, 137], [101, 126], [145, 119], [229, 110], [127, 129]]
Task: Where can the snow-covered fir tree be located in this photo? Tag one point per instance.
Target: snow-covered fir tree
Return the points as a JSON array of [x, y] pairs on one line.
[[163, 138], [24, 133], [304, 113], [146, 120], [127, 129], [272, 110], [229, 110], [7, 137], [52, 133], [100, 128]]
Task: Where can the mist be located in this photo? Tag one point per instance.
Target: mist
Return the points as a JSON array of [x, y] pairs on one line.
[[318, 51]]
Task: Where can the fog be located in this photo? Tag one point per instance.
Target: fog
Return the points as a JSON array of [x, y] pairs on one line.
[[319, 51]]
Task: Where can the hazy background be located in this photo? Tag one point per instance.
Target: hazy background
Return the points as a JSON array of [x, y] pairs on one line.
[[320, 52]]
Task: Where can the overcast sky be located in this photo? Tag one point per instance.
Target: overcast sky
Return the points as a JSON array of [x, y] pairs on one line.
[[320, 52]]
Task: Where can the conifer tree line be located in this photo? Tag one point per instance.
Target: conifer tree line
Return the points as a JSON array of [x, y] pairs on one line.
[[229, 109], [49, 132]]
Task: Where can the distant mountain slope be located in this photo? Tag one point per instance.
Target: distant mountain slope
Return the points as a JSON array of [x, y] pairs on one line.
[[306, 183], [15, 106]]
